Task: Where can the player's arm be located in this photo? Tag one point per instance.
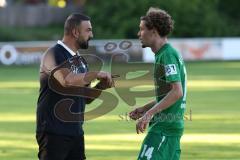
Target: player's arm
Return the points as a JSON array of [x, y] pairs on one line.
[[148, 106], [173, 95]]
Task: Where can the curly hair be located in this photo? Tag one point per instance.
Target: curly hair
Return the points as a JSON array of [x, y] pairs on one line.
[[160, 20]]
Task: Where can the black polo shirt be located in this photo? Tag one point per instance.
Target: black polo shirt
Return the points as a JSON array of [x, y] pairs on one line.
[[47, 122]]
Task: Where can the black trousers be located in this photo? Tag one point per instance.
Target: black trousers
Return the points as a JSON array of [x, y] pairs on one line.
[[55, 147]]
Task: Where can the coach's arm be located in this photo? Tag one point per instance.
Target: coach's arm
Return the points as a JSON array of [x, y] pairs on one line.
[[68, 79], [95, 92]]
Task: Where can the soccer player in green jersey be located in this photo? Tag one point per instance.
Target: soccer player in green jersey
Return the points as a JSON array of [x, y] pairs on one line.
[[164, 114]]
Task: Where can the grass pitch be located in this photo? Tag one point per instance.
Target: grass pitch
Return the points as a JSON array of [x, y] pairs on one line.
[[213, 133]]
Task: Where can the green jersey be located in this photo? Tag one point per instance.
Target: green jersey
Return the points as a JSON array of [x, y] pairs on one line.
[[169, 68]]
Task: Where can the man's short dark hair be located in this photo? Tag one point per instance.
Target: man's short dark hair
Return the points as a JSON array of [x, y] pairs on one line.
[[73, 21], [160, 20]]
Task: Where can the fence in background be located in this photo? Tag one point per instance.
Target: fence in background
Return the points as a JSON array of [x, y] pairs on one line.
[[34, 15], [203, 49], [191, 49]]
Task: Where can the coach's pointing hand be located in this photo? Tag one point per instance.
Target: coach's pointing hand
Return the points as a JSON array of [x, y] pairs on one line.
[[106, 80]]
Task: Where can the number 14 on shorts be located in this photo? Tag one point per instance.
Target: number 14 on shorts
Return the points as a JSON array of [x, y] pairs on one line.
[[146, 152]]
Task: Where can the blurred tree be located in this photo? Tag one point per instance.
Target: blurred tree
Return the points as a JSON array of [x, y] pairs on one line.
[[76, 2], [64, 3], [116, 19], [34, 2], [229, 13], [195, 18], [120, 18]]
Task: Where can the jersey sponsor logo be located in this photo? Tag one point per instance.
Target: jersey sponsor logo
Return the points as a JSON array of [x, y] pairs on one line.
[[74, 69], [170, 69]]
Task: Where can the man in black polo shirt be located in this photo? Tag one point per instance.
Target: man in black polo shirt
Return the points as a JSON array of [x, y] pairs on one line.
[[62, 70]]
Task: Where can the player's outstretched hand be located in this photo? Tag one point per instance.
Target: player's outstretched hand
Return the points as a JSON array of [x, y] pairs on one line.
[[136, 113], [143, 122]]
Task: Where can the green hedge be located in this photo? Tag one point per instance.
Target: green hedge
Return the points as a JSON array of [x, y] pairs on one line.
[[193, 18], [31, 33], [113, 19]]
